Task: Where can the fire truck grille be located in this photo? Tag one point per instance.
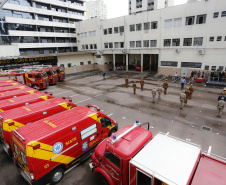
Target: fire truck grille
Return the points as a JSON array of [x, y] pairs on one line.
[[206, 128], [47, 81]]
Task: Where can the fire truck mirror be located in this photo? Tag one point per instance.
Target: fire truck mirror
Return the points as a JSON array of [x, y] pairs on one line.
[[73, 128]]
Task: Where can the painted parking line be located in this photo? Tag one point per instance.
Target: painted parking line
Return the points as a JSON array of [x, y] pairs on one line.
[[74, 95], [61, 92], [88, 98], [110, 114], [55, 89], [209, 150]]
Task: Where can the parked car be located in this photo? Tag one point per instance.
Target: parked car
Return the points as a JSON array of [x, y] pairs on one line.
[[120, 67]]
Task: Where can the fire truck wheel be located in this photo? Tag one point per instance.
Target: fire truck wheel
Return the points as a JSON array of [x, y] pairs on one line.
[[56, 176], [101, 179], [35, 86]]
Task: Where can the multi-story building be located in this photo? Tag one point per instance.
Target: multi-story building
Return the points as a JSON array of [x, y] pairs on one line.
[[96, 8], [137, 6], [40, 26], [174, 39]]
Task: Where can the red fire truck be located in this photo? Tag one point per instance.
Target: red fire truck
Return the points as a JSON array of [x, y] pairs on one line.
[[5, 84], [45, 150], [11, 88], [60, 73], [35, 79], [52, 75], [132, 157], [21, 116], [16, 93], [7, 81], [23, 101]]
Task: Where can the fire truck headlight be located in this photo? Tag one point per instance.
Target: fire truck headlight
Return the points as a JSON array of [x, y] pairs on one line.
[[32, 176]]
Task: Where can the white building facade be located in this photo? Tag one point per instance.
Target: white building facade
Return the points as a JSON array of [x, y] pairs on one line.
[[174, 39], [137, 6], [40, 26], [96, 8]]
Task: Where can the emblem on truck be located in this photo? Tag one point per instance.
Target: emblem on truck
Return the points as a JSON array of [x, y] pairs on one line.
[[57, 148]]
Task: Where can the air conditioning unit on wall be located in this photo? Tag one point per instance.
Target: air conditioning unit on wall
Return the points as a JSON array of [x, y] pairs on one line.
[[201, 51], [177, 50]]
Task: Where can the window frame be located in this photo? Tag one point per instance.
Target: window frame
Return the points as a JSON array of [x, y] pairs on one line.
[[87, 131], [190, 39], [174, 41], [113, 162], [187, 21], [132, 27], [198, 19]]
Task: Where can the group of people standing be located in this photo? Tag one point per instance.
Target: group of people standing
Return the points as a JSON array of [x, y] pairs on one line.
[[185, 95]]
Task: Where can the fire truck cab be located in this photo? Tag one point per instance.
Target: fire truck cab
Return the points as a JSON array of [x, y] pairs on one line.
[[45, 150], [37, 79], [60, 73], [52, 75]]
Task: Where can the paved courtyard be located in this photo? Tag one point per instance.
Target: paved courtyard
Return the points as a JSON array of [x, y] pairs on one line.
[[119, 102]]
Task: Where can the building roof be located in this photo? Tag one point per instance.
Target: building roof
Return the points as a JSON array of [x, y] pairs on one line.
[[210, 171], [168, 159]]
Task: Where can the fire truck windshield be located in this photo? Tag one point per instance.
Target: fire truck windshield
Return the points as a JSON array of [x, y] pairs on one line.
[[61, 69], [44, 75], [54, 72]]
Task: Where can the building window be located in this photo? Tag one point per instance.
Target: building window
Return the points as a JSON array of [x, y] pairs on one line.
[[115, 29], [191, 64], [116, 45], [95, 46], [89, 62], [61, 65], [69, 65], [207, 67], [167, 42], [147, 26], [81, 63], [215, 14], [138, 27], [187, 41], [87, 47], [90, 33], [198, 41], [153, 43], [219, 38], [105, 45], [169, 63], [154, 25], [177, 22], [146, 43], [211, 39], [168, 23], [121, 29], [109, 30], [132, 44], [138, 44], [201, 19], [223, 14], [105, 32], [110, 45], [190, 20], [121, 44], [91, 46], [132, 27], [221, 68], [175, 42]]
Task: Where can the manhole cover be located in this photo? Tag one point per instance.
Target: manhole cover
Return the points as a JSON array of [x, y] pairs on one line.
[[206, 128]]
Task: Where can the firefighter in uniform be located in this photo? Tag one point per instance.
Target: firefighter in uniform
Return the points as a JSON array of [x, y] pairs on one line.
[[165, 86], [127, 81], [134, 87], [220, 107], [182, 99], [159, 90], [142, 84], [224, 91], [187, 92], [191, 88], [153, 95]]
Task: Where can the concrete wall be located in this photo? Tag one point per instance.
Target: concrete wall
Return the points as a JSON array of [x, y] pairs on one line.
[[9, 50]]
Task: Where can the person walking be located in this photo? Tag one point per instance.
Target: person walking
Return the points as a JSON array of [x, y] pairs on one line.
[[159, 90], [104, 73], [153, 95], [142, 84], [224, 91], [187, 92], [220, 107], [134, 87], [191, 89], [165, 86], [182, 82], [182, 99], [127, 81], [175, 77]]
